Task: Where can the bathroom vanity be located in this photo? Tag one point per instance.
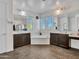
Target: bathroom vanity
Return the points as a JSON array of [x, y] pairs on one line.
[[59, 39], [66, 40], [21, 39]]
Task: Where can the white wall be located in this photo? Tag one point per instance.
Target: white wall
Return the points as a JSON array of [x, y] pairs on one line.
[[9, 25]]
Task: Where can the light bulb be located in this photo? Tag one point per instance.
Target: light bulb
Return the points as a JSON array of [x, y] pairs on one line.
[[22, 13], [58, 12]]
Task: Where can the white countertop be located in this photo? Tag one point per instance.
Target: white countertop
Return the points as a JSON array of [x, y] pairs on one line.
[[74, 36], [46, 36], [20, 32], [71, 34], [60, 32]]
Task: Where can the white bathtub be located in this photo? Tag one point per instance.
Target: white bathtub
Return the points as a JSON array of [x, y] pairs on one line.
[[40, 39]]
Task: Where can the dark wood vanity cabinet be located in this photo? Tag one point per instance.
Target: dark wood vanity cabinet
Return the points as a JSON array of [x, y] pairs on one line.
[[59, 39], [21, 39]]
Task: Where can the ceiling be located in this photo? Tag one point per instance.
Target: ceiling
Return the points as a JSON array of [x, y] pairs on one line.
[[43, 6]]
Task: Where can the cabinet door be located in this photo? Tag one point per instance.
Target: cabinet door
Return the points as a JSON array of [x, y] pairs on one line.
[[25, 38], [53, 39], [3, 27], [17, 40], [21, 40], [63, 40], [28, 38], [59, 40]]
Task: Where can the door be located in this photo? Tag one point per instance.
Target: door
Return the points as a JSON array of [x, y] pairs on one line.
[[3, 27]]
